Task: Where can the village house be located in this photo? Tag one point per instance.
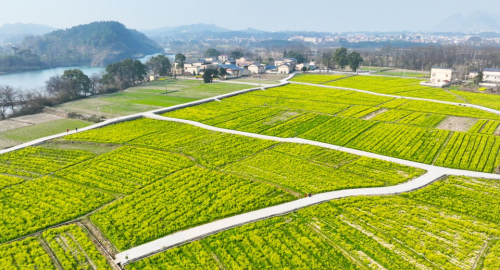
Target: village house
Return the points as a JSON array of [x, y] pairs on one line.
[[442, 76], [491, 77], [292, 62], [472, 75], [257, 68], [285, 68], [223, 57]]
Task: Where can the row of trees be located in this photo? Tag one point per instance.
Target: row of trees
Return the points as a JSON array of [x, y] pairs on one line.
[[461, 57], [341, 58]]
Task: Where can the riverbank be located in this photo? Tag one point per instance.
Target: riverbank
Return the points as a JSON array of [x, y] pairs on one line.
[[145, 97]]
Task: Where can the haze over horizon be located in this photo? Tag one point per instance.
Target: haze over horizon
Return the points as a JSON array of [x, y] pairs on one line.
[[268, 15]]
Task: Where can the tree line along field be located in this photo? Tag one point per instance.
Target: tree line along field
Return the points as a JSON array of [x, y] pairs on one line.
[[401, 87], [154, 177], [446, 225], [67, 247], [394, 127]]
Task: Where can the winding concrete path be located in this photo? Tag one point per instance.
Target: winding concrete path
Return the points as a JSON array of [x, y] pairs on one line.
[[433, 173]]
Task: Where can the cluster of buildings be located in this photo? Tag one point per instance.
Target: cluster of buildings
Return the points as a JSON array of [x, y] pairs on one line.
[[429, 38], [441, 77], [242, 66]]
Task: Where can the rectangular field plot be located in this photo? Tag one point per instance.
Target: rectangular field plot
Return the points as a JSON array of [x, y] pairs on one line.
[[25, 254], [307, 78], [483, 126], [338, 130], [73, 249], [471, 152], [433, 228], [423, 119], [43, 202], [125, 169], [401, 141], [184, 199], [296, 168], [7, 181], [32, 162]]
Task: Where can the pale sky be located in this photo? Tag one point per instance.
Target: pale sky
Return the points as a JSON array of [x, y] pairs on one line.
[[270, 15]]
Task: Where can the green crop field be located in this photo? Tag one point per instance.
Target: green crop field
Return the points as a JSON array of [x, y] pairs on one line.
[[77, 201], [400, 128], [67, 247], [161, 173], [149, 96], [443, 226]]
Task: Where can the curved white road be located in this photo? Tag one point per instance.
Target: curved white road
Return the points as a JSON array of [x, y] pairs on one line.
[[433, 173]]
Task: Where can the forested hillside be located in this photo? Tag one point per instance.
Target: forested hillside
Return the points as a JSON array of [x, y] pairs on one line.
[[97, 43]]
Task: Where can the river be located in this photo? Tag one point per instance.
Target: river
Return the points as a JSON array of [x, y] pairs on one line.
[[37, 78]]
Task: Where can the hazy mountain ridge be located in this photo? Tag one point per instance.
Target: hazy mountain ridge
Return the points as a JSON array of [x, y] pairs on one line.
[[97, 43], [185, 29], [479, 21], [15, 32]]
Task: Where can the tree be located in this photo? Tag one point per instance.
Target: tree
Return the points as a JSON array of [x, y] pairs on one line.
[[222, 72], [180, 59], [479, 78], [125, 73], [212, 53], [354, 59], [76, 83], [209, 75], [8, 96], [293, 54], [236, 54], [327, 60], [159, 65], [304, 69], [340, 57]]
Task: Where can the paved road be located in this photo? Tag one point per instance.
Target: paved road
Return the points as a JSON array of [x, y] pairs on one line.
[[433, 173]]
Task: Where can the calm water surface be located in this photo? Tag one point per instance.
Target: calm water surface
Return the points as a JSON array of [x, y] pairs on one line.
[[35, 79]]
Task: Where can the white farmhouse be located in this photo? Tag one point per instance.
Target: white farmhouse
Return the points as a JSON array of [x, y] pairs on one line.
[[491, 77], [442, 76]]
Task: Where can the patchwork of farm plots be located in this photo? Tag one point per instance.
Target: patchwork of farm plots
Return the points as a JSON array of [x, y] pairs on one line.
[[446, 225], [402, 87], [67, 247], [160, 177], [395, 127]]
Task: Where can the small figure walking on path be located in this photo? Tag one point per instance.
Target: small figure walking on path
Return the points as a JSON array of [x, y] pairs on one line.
[[76, 129], [67, 130]]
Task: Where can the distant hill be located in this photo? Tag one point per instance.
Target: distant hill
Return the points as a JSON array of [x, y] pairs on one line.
[[186, 29], [476, 22], [97, 44], [15, 32]]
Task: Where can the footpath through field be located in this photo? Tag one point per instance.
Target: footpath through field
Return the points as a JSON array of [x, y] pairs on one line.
[[433, 173]]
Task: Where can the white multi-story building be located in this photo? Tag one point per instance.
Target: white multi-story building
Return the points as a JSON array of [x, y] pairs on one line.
[[442, 76]]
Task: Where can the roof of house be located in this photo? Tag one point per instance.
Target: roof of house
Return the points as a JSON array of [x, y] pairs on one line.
[[271, 67], [443, 68], [492, 69], [256, 64], [231, 67]]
